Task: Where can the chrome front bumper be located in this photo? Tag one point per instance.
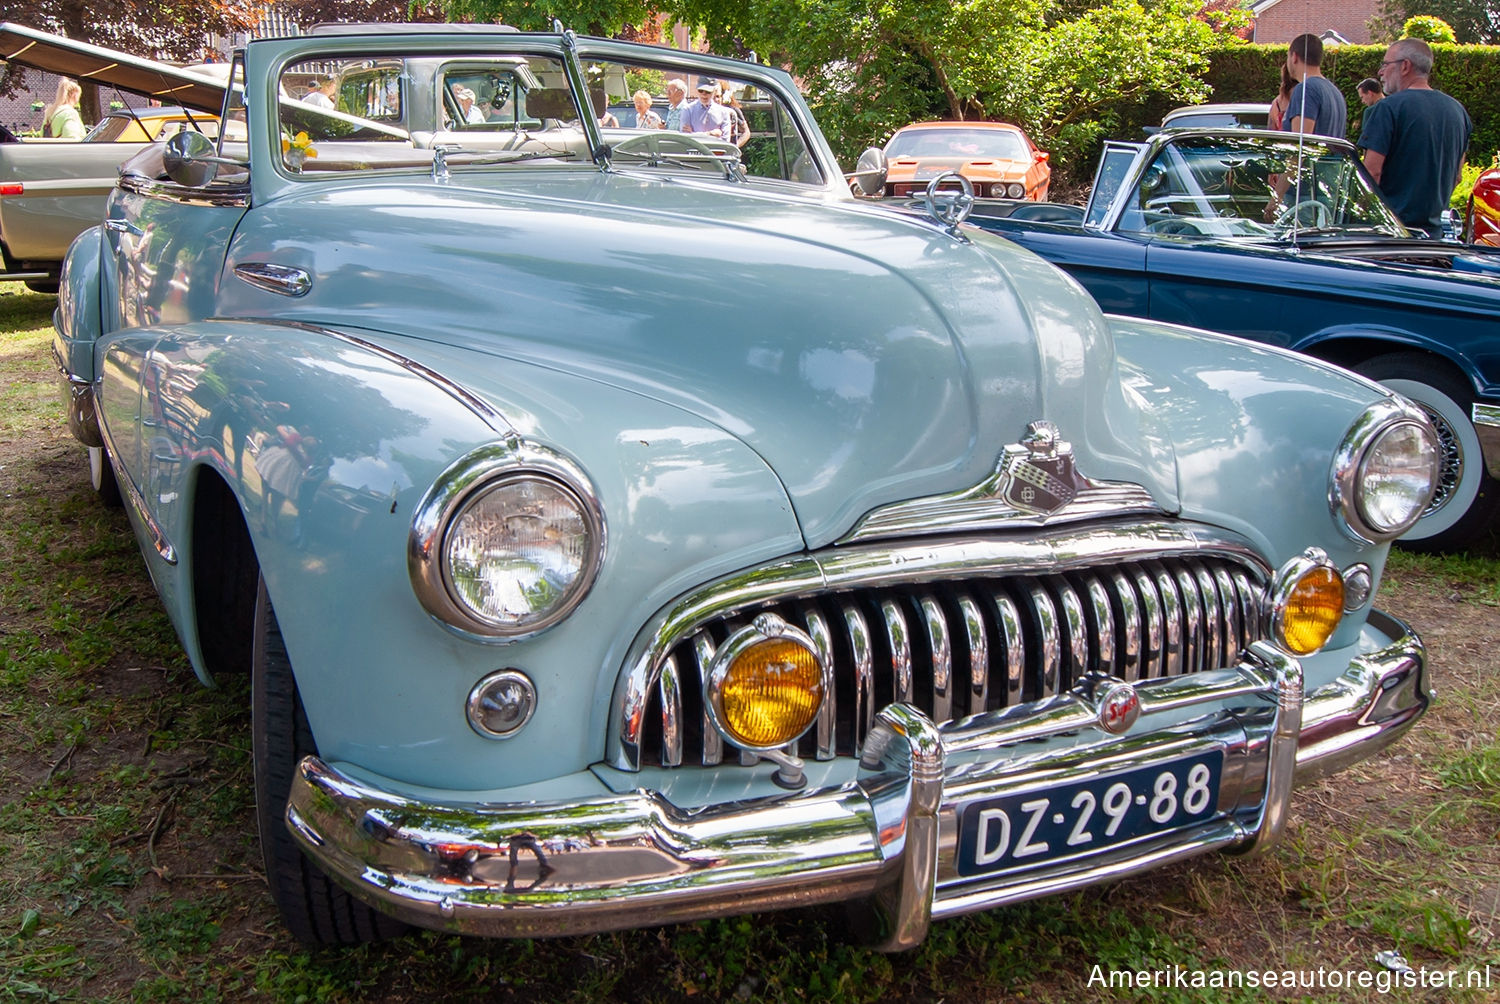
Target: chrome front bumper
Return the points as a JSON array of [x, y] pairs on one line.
[[889, 837]]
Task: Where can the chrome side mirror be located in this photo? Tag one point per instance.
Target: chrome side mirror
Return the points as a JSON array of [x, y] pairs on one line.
[[869, 173], [191, 159]]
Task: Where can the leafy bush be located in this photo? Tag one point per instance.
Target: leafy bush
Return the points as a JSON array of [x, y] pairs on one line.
[[1428, 29]]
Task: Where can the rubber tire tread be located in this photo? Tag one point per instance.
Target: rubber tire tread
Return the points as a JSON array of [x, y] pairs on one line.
[[1482, 518], [107, 491], [314, 908]]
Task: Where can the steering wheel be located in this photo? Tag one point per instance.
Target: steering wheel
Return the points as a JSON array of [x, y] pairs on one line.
[[1321, 216], [1173, 226], [660, 144]]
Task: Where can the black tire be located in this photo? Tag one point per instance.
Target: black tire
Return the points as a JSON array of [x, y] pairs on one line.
[[314, 908], [43, 285], [102, 478], [1467, 505]]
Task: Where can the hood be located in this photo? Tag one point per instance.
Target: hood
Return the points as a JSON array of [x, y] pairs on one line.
[[866, 357]]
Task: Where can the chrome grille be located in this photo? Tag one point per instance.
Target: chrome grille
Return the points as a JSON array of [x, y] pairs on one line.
[[956, 648]]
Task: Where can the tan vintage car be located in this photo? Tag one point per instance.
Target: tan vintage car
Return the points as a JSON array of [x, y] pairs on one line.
[[51, 191]]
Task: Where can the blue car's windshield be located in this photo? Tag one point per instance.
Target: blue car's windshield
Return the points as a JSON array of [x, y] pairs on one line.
[[1256, 188]]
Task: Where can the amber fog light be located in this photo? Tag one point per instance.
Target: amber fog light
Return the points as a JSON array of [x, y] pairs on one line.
[[1307, 602], [765, 685]]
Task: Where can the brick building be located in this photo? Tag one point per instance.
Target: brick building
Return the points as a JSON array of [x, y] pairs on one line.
[[1279, 21]]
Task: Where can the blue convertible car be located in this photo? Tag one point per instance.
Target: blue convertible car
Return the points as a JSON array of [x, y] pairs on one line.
[[1285, 241], [626, 527]]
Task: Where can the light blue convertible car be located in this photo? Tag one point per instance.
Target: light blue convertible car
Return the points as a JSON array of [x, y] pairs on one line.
[[623, 527]]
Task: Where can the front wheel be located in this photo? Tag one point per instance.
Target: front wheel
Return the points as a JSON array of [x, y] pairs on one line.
[[1467, 502], [314, 908], [102, 477]]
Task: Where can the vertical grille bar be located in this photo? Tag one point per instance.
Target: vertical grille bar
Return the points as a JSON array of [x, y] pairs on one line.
[[817, 630], [979, 653], [942, 659], [1015, 648], [864, 675], [897, 633], [1130, 629], [1173, 643], [1077, 662], [1104, 626], [1213, 620], [1192, 623], [1049, 640], [713, 743], [1234, 639], [670, 691], [1154, 656], [1249, 606]]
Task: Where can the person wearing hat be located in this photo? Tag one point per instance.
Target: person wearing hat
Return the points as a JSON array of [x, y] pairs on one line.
[[707, 116]]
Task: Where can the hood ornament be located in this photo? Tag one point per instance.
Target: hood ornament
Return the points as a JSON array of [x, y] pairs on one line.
[[1033, 483], [1037, 474], [948, 208]]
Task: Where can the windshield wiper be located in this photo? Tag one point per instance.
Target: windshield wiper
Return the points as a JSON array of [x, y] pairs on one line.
[[481, 157], [686, 159]]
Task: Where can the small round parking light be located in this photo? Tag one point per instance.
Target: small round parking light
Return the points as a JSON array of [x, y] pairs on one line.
[[501, 704]]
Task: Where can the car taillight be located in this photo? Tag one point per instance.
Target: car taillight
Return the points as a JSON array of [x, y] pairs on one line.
[[12, 188]]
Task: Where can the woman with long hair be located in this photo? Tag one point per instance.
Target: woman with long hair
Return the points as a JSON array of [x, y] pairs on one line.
[[1278, 106], [60, 119]]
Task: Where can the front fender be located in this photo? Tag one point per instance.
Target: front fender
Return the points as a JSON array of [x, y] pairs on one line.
[[1254, 430], [78, 318], [1354, 343], [329, 442]]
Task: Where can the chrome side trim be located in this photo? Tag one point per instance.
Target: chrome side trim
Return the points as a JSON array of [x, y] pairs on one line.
[[237, 197], [137, 501], [476, 404], [1487, 428], [284, 280]]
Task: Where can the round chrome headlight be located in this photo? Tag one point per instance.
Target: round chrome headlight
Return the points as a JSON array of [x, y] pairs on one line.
[[1016, 190], [1386, 471], [507, 542]]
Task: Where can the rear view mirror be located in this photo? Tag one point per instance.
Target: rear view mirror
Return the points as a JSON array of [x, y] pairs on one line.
[[190, 159], [869, 173]]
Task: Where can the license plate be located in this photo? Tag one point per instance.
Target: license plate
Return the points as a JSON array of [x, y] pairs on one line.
[[1025, 830]]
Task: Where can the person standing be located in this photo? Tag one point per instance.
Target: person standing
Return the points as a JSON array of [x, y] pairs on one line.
[[1315, 105], [1283, 97], [677, 95], [645, 116], [707, 116], [60, 119], [1370, 91], [320, 92], [1414, 141]]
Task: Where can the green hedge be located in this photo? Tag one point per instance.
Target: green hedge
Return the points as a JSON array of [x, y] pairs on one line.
[[1470, 73]]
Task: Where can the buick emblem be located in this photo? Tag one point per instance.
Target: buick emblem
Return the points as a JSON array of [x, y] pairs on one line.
[[1037, 475], [1119, 707]]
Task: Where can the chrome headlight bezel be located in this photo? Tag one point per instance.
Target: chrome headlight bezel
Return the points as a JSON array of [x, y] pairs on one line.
[[464, 482], [1347, 476]]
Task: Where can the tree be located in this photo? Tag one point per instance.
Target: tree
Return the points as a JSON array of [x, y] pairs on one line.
[[593, 17], [1474, 22], [871, 66]]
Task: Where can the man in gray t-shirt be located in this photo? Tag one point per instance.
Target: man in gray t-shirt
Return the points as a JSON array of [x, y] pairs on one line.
[[1415, 140], [1316, 105]]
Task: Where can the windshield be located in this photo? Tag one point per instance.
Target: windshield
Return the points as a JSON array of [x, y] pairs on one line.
[[343, 112], [1000, 144], [1255, 188]]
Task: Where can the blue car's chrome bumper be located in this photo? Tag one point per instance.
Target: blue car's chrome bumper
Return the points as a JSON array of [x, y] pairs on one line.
[[890, 836]]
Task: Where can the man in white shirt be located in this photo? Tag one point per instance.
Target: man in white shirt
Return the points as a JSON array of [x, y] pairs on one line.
[[707, 116]]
